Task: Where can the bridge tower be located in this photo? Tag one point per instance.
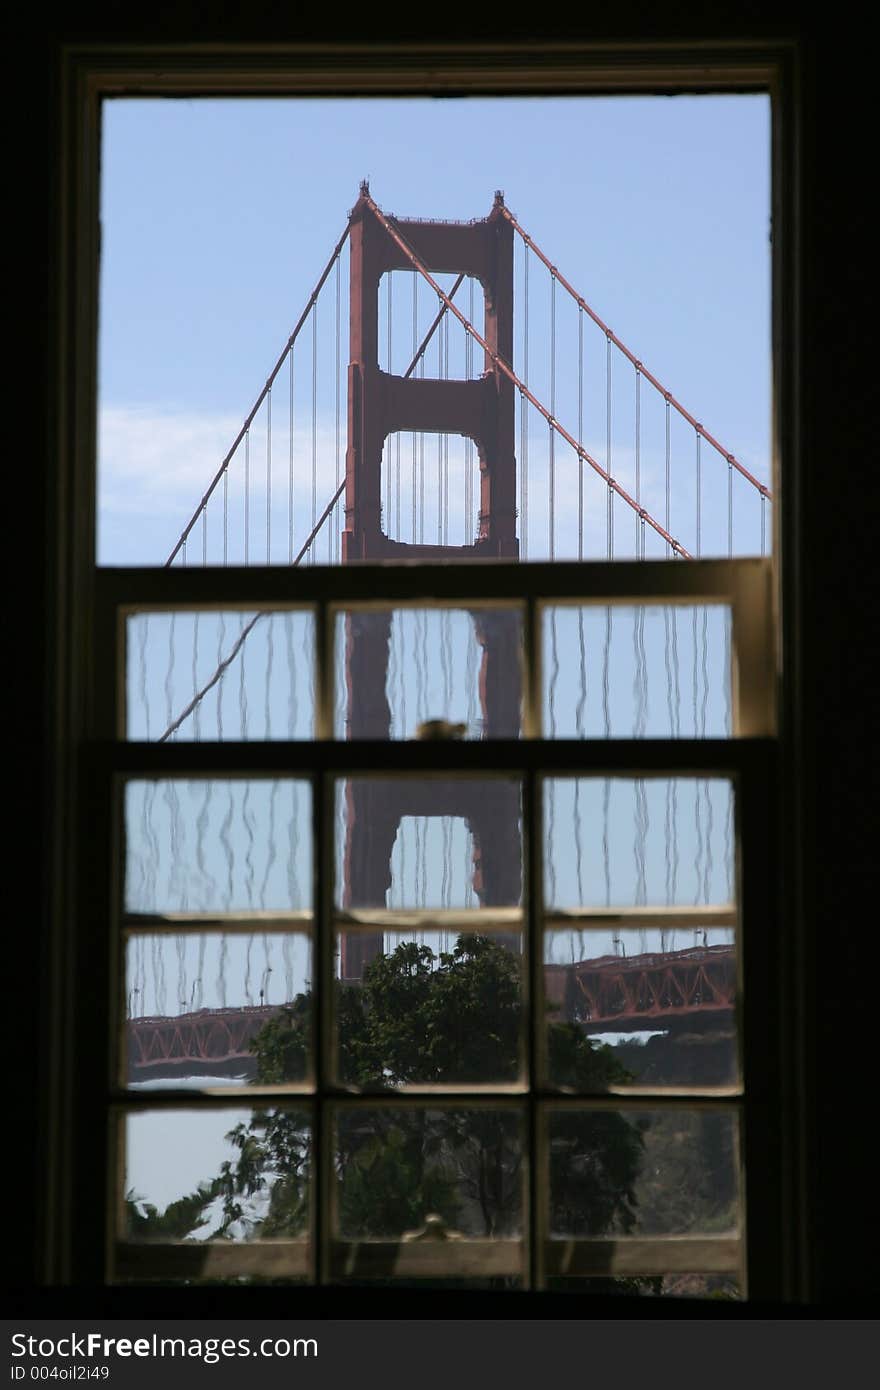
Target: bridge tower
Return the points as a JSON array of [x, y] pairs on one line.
[[380, 403]]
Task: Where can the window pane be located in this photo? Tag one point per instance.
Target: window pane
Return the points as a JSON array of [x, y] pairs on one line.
[[647, 1008], [637, 672], [439, 1008], [214, 676], [618, 842], [643, 1172], [217, 1007], [399, 1171], [429, 673], [216, 1174], [428, 842], [194, 845]]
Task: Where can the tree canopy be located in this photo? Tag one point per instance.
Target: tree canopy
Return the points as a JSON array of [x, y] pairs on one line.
[[448, 1018]]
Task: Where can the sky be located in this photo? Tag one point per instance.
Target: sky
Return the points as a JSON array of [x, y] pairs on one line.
[[217, 217]]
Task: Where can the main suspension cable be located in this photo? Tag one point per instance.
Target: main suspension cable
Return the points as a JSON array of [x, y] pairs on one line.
[[508, 371], [582, 304], [221, 471]]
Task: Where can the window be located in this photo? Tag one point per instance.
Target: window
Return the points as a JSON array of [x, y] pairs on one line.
[[512, 1141], [743, 761]]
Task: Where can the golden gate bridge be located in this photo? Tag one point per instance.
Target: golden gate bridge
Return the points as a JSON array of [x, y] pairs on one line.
[[453, 431]]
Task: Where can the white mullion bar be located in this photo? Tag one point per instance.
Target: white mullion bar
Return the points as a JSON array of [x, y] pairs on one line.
[[430, 919]]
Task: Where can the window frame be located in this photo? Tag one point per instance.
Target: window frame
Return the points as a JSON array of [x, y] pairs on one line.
[[746, 757], [82, 820]]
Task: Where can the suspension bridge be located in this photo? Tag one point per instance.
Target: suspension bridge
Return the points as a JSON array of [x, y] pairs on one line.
[[451, 429]]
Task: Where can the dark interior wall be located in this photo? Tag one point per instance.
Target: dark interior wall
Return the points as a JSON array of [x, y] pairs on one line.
[[830, 623]]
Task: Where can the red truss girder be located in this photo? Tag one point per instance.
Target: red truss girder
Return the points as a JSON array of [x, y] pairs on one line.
[[208, 1035], [614, 990], [609, 990]]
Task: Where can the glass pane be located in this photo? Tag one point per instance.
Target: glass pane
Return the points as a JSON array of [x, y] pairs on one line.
[[618, 842], [643, 1172], [647, 1008], [215, 676], [429, 673], [440, 1008], [216, 1174], [206, 845], [400, 1171], [637, 672], [428, 842], [212, 1007]]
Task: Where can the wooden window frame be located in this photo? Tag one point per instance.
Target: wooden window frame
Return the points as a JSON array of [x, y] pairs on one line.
[[746, 758], [83, 828]]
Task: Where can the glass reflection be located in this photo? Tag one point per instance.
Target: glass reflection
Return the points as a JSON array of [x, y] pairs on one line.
[[660, 1006], [414, 1172], [443, 1009], [207, 1008], [643, 1172], [216, 1174]]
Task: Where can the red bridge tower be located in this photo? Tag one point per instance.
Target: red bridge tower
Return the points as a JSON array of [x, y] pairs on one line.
[[380, 403]]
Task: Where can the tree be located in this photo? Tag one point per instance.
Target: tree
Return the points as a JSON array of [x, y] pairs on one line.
[[452, 1019]]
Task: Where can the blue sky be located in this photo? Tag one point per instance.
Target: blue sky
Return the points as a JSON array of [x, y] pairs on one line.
[[218, 216]]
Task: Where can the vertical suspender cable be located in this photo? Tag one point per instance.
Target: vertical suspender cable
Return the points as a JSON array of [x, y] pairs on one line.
[[446, 436], [469, 528], [699, 491], [440, 443], [668, 466], [698, 819], [197, 721], [388, 469], [247, 495], [225, 518], [763, 524], [314, 422], [290, 517], [334, 549], [640, 524], [641, 681], [422, 471], [609, 537], [524, 418], [580, 461], [415, 348], [268, 475], [609, 528], [553, 413]]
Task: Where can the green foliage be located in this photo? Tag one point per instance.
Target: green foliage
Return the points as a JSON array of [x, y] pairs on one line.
[[178, 1220], [387, 1187], [452, 1019], [273, 1153], [416, 1017], [281, 1046]]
